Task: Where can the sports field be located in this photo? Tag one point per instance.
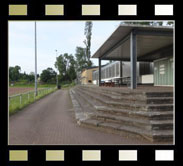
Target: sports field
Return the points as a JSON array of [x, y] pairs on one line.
[[19, 90]]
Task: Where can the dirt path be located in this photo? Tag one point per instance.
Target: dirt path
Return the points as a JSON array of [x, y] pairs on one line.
[[19, 90], [51, 121]]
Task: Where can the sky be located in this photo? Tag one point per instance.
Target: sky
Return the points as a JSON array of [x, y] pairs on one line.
[[63, 36]]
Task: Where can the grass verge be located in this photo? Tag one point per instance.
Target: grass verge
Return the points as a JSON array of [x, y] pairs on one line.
[[16, 103]]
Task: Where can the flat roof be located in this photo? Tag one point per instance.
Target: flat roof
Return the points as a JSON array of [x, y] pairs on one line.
[[150, 39]]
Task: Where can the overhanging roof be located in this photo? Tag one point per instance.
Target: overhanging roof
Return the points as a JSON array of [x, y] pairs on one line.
[[150, 40]]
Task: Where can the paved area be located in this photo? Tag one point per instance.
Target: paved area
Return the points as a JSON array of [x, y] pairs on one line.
[[51, 121]]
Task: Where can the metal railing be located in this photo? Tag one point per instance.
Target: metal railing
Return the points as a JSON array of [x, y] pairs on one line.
[[19, 100]]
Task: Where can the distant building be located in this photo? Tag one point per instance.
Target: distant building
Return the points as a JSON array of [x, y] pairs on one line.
[[118, 70], [86, 75]]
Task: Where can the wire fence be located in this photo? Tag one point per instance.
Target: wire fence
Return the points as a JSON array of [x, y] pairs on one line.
[[20, 100]]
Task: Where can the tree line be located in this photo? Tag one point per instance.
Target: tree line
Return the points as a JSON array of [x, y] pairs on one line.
[[47, 76]]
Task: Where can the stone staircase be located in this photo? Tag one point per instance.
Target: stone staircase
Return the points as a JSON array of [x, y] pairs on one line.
[[147, 114]]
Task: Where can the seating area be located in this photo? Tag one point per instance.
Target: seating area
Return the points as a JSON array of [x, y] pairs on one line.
[[108, 84], [146, 111], [116, 82]]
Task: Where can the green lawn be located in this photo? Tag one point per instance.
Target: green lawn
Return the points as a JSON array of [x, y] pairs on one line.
[[31, 85], [70, 85], [18, 102]]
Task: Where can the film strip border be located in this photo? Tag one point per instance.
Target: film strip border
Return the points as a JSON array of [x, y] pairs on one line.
[[90, 155], [90, 10]]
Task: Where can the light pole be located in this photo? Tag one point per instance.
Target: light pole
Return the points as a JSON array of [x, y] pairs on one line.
[[35, 60], [56, 71]]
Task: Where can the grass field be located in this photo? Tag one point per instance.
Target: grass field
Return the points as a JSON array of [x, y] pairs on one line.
[[31, 85], [19, 90], [23, 84]]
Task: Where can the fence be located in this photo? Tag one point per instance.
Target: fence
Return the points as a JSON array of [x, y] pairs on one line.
[[20, 100]]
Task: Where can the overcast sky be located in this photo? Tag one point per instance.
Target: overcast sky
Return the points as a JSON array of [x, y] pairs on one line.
[[61, 35]]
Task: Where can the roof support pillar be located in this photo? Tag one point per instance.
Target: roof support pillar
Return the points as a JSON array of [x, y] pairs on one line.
[[133, 60], [99, 73], [121, 71]]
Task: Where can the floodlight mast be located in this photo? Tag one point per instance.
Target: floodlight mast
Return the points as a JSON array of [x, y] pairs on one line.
[[56, 71], [36, 59]]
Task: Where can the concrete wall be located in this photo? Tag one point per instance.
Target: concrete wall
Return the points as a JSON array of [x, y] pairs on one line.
[[147, 79]]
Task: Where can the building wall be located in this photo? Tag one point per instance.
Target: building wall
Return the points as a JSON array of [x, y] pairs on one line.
[[147, 79], [163, 72], [86, 76], [112, 71]]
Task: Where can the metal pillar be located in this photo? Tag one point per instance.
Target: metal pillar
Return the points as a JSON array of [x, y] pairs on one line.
[[56, 71], [121, 71], [35, 59], [99, 73], [133, 60]]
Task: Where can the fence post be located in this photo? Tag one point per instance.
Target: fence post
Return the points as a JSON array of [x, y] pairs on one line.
[[20, 99], [28, 96]]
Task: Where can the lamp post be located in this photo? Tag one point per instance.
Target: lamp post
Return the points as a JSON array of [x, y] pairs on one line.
[[56, 71], [35, 60]]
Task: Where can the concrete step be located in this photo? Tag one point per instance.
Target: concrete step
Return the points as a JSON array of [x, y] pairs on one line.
[[114, 97], [128, 105], [148, 115], [82, 111], [135, 98], [159, 94], [119, 91], [149, 124], [105, 90], [141, 115], [153, 136], [131, 121], [159, 100], [92, 102]]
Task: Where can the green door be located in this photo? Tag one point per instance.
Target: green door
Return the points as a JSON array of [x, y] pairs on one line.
[[163, 72], [171, 69]]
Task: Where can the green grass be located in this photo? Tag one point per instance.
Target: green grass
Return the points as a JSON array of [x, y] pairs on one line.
[[15, 105], [67, 86], [31, 85], [25, 84]]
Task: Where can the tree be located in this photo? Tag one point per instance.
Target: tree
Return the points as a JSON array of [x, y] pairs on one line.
[[31, 77], [14, 73], [66, 66], [48, 76], [81, 59], [83, 55], [60, 64], [23, 76], [87, 41], [71, 64], [170, 23]]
